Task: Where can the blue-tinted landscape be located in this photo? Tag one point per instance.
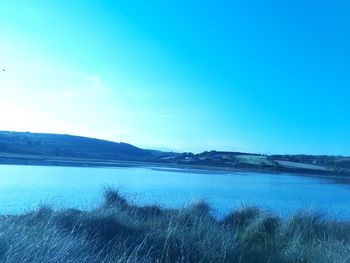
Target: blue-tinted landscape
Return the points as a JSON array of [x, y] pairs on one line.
[[100, 201], [174, 131]]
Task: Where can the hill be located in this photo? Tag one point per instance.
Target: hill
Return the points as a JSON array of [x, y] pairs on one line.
[[69, 150], [319, 164], [61, 145]]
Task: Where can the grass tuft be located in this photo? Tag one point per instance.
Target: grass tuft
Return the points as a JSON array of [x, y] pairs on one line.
[[113, 199], [201, 208], [242, 217]]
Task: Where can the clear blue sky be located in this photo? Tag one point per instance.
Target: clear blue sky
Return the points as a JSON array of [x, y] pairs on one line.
[[259, 76]]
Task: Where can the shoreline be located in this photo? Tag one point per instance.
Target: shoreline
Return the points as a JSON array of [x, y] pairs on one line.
[[42, 160]]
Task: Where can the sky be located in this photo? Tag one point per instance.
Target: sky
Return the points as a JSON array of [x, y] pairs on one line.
[[256, 76]]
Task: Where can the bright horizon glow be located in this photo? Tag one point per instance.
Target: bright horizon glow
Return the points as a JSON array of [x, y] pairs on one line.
[[253, 77]]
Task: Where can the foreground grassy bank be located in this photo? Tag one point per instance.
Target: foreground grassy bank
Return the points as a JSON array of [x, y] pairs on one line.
[[118, 231]]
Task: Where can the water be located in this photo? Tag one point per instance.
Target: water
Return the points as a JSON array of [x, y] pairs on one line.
[[23, 188]]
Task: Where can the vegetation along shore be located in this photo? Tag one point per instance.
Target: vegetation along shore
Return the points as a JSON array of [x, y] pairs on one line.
[[118, 231]]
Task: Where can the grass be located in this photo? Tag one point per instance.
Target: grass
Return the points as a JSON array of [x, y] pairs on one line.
[[118, 231]]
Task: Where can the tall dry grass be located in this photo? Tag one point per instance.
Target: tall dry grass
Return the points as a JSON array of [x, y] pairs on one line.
[[118, 231]]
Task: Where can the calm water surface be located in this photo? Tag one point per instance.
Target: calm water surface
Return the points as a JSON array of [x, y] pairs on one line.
[[25, 187]]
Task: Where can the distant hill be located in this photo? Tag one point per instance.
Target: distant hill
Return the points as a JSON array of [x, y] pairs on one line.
[[282, 163], [59, 149], [68, 146]]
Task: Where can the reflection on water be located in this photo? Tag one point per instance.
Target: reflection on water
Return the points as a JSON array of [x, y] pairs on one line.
[[24, 187]]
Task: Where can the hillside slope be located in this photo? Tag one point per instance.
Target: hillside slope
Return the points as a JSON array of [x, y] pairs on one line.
[[67, 146]]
